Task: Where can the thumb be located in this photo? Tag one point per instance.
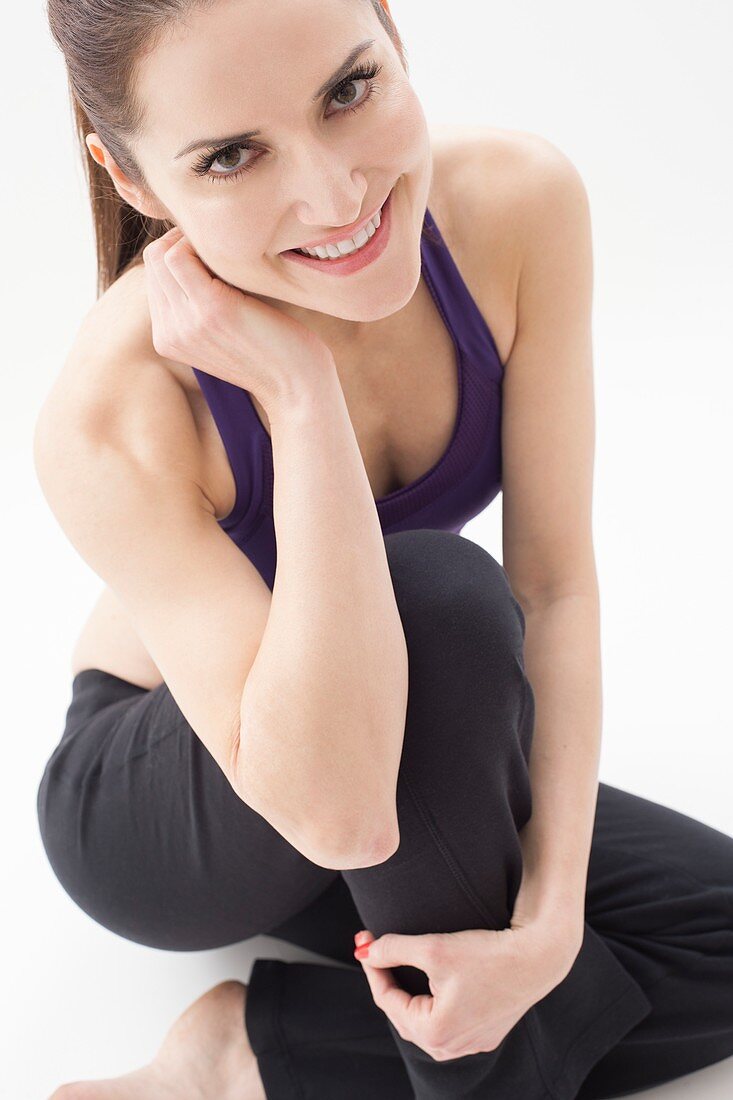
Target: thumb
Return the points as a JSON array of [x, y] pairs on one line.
[[396, 949]]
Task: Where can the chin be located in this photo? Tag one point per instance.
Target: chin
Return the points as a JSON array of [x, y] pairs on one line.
[[374, 307], [380, 296]]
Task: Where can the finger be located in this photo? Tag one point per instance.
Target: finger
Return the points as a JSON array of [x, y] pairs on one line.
[[382, 982], [157, 299], [153, 255], [185, 265], [396, 949], [409, 1013], [405, 1010]]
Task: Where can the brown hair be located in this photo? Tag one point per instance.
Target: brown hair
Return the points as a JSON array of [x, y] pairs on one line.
[[102, 40]]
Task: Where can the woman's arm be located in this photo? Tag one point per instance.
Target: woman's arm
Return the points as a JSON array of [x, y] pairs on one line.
[[327, 694], [548, 452], [119, 459], [563, 666]]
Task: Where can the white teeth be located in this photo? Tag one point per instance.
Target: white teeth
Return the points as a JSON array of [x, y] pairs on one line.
[[351, 244]]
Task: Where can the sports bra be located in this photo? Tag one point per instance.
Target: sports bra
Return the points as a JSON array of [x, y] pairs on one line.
[[463, 481]]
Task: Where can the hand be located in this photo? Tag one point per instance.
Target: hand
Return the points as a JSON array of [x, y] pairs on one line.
[[202, 321], [482, 982]]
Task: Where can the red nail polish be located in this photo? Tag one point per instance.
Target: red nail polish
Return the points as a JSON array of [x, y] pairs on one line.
[[361, 937], [361, 952]]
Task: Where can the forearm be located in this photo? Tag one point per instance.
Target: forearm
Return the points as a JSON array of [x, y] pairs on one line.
[[324, 705], [562, 661]]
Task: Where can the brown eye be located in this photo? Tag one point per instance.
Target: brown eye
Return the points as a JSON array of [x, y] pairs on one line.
[[345, 90], [345, 94], [232, 154]]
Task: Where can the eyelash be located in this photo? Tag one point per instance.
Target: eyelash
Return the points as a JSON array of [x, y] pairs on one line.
[[203, 165]]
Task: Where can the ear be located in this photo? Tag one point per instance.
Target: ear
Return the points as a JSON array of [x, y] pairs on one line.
[[131, 192]]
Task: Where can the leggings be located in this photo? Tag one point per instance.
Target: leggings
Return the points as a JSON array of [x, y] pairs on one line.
[[148, 838]]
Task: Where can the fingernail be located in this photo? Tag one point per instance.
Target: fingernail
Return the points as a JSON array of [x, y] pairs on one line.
[[361, 952], [361, 937]]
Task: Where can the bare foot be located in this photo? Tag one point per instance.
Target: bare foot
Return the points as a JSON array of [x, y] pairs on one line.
[[206, 1055]]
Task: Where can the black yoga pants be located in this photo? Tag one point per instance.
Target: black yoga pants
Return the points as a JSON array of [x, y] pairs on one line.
[[146, 835]]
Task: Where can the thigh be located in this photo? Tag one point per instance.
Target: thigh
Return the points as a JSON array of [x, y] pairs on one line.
[[145, 833]]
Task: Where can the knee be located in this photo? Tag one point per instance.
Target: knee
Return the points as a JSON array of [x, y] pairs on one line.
[[464, 630], [455, 602]]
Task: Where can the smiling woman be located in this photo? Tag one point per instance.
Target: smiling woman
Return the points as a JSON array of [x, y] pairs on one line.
[[294, 587], [111, 120]]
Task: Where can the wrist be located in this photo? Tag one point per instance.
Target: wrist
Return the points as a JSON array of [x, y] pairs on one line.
[[302, 392], [556, 906]]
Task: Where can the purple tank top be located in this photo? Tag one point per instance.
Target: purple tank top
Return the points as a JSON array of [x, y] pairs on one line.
[[463, 481]]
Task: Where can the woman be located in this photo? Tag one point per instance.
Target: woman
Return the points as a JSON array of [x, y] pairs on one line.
[[244, 751]]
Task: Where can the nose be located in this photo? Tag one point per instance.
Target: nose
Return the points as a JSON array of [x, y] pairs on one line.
[[328, 192]]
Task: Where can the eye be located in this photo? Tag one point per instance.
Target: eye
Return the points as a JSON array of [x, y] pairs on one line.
[[203, 166], [364, 73]]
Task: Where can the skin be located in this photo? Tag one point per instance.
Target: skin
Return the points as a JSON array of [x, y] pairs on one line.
[[522, 244], [395, 359]]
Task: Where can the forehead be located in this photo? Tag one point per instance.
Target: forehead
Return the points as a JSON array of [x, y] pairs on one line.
[[245, 64]]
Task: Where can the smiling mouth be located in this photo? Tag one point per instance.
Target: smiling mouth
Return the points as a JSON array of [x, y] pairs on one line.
[[353, 244]]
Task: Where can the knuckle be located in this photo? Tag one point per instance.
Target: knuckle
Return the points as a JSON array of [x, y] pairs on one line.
[[174, 251], [435, 952]]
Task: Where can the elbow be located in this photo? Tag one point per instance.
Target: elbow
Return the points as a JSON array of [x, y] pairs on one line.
[[335, 844], [346, 847]]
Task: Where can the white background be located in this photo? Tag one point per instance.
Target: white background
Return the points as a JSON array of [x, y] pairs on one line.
[[639, 96]]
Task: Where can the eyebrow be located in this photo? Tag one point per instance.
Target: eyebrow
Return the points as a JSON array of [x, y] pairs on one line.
[[233, 139]]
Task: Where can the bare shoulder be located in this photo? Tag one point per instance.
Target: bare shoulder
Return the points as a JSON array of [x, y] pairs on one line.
[[495, 180], [494, 190], [116, 388]]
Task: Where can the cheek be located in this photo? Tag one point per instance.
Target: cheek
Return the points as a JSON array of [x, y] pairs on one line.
[[401, 127], [226, 240]]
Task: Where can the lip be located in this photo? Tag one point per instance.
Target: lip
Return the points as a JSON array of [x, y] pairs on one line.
[[342, 233], [353, 261]]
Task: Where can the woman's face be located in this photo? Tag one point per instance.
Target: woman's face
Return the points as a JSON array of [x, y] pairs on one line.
[[330, 148]]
